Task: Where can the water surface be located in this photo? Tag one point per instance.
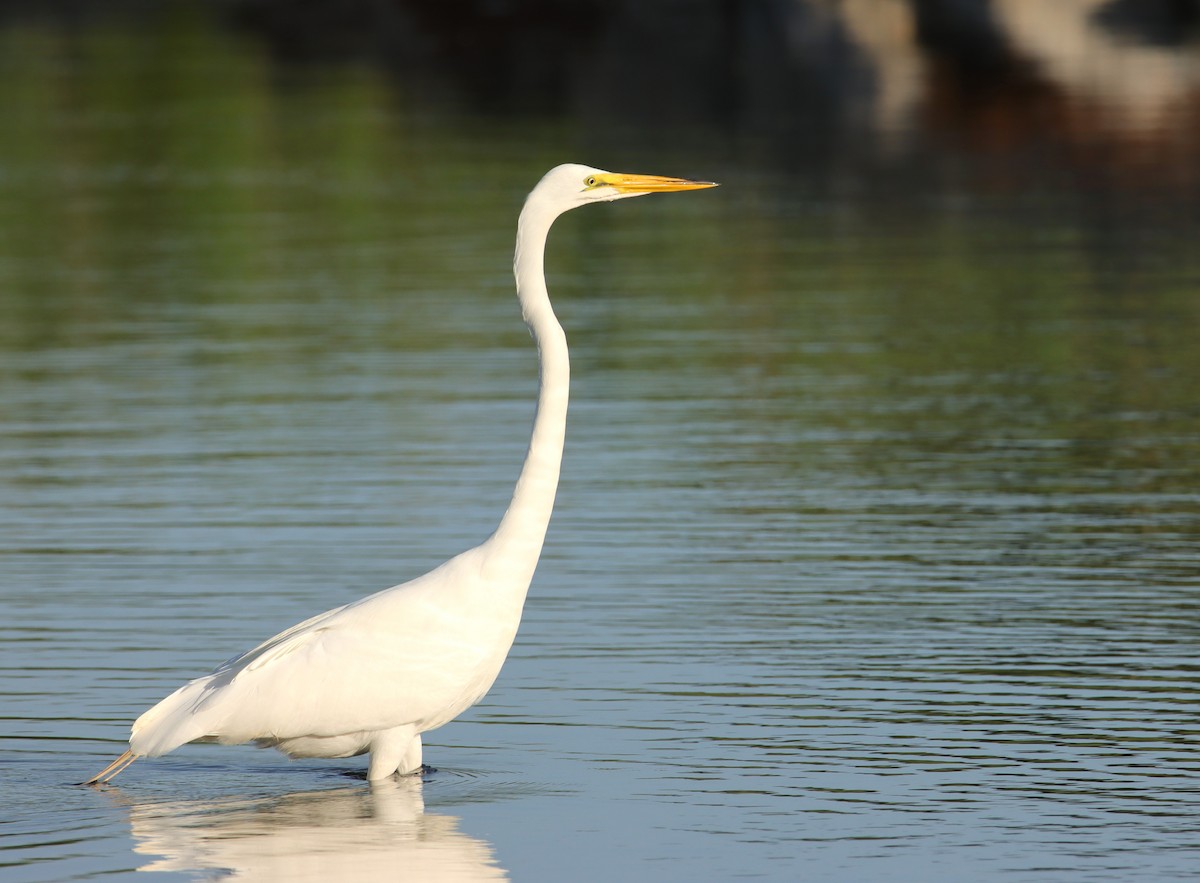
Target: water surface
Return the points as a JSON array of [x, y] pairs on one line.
[[874, 556]]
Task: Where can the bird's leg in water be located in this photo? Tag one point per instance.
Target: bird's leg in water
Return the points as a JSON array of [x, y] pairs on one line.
[[395, 750], [411, 763]]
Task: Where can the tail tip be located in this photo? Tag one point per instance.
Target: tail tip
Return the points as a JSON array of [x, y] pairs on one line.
[[107, 774]]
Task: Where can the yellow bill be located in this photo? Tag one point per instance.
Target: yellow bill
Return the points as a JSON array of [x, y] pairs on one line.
[[650, 183]]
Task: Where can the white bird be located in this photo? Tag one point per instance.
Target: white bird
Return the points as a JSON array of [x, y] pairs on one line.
[[373, 675]]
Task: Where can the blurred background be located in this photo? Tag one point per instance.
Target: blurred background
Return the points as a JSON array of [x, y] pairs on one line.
[[932, 102], [1067, 127]]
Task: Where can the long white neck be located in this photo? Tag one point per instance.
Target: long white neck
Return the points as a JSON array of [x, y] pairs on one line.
[[517, 543]]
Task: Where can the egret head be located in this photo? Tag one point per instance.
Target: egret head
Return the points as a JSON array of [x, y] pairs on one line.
[[567, 186]]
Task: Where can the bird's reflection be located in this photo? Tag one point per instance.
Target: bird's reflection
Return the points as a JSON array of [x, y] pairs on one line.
[[356, 833]]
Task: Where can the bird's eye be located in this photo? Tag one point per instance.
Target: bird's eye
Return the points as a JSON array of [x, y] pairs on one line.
[[591, 181]]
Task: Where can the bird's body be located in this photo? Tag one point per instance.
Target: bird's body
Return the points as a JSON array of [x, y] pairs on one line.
[[373, 675], [370, 676]]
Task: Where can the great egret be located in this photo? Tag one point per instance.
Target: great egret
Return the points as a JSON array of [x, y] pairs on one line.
[[373, 675]]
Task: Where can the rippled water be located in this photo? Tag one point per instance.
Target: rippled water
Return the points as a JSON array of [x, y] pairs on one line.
[[875, 555]]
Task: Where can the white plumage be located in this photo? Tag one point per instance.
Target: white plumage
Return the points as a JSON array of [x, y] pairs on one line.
[[373, 675]]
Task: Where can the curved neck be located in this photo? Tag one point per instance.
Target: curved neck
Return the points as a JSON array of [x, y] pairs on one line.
[[517, 542]]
